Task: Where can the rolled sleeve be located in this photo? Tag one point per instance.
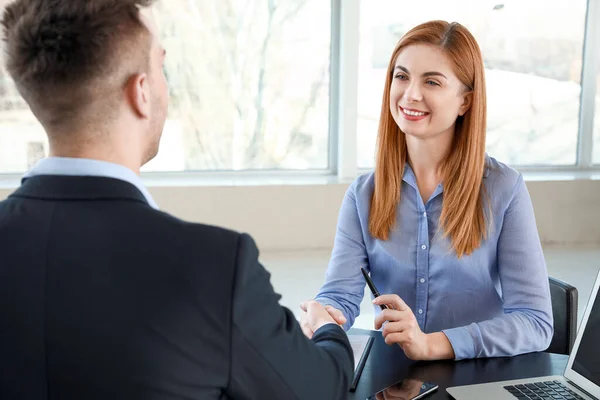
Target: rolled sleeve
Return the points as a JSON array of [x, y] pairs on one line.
[[462, 342]]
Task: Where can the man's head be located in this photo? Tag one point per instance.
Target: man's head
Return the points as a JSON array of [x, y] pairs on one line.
[[86, 67]]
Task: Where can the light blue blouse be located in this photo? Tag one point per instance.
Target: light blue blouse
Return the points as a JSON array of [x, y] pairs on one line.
[[494, 302]]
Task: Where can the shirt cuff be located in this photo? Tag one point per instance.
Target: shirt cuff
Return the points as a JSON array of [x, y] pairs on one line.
[[328, 302], [462, 342]]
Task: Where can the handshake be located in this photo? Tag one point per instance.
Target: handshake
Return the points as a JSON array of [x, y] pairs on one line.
[[315, 315]]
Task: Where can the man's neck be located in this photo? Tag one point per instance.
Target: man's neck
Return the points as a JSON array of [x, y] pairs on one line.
[[96, 154]]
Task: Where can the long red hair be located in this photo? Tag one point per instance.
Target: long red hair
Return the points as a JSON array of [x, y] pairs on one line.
[[462, 218]]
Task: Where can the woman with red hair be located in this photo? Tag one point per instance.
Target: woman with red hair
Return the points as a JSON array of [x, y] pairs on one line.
[[447, 232]]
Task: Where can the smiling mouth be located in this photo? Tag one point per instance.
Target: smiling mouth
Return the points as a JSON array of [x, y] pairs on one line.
[[413, 115]]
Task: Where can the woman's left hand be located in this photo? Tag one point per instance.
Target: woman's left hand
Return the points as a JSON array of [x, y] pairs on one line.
[[401, 327]]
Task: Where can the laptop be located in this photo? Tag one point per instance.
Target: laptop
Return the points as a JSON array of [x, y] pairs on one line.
[[581, 379]]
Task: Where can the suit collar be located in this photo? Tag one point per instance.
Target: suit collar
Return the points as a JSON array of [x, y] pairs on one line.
[[61, 187], [88, 167]]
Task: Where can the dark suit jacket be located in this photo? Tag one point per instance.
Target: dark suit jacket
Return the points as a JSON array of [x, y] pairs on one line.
[[103, 297]]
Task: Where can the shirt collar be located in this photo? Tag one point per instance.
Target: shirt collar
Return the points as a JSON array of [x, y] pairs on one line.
[[409, 175], [87, 167], [410, 178]]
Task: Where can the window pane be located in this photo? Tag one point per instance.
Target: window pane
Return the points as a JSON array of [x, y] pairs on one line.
[[249, 89], [533, 68], [249, 84], [22, 139], [597, 121]]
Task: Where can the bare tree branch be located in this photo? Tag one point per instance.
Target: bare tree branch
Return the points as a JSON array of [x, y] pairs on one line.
[[257, 140], [314, 93]]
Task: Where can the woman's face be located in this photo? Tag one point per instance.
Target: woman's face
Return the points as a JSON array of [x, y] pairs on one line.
[[426, 96]]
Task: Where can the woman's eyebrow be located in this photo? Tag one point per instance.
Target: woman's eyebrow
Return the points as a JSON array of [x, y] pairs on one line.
[[430, 73]]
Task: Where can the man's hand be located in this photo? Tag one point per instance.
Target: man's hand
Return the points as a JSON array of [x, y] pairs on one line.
[[403, 329], [314, 316]]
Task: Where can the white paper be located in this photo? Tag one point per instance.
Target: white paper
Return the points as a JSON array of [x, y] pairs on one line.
[[358, 343]]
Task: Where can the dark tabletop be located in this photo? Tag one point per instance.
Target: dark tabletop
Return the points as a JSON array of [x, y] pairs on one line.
[[388, 364]]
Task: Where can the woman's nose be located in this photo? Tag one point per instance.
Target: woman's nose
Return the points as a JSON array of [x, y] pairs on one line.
[[413, 92]]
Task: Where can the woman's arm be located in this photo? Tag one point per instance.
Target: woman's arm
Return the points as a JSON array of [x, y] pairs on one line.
[[344, 285], [527, 323]]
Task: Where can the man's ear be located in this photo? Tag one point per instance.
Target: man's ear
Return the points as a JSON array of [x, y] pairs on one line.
[[467, 101], [138, 95]]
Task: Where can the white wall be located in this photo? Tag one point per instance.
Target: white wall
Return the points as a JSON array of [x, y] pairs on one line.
[[297, 217]]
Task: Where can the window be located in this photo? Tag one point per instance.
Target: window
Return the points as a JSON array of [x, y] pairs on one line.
[[533, 68], [20, 133], [249, 88], [249, 84], [597, 121], [35, 152]]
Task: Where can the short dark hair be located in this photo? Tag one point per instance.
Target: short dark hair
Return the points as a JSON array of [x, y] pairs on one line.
[[67, 55]]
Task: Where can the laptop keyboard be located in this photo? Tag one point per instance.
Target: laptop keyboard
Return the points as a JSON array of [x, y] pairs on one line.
[[554, 390]]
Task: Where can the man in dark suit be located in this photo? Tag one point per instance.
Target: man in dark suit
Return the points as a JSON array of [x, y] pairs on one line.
[[102, 296]]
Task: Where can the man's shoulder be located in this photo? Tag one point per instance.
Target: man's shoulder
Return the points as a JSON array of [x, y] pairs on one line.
[[134, 220], [192, 230]]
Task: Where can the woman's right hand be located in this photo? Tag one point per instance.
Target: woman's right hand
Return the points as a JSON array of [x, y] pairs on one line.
[[314, 315]]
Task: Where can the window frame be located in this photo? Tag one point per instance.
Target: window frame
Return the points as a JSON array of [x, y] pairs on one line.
[[344, 75]]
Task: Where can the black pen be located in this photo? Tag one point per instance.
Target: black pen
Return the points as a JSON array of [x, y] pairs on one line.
[[372, 287]]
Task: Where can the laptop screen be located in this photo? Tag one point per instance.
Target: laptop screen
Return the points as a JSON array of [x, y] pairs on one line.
[[587, 359]]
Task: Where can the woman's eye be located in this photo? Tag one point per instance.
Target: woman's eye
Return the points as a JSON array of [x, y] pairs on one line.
[[401, 77], [432, 83]]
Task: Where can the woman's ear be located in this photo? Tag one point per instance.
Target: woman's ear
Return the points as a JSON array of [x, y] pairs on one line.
[[467, 101]]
